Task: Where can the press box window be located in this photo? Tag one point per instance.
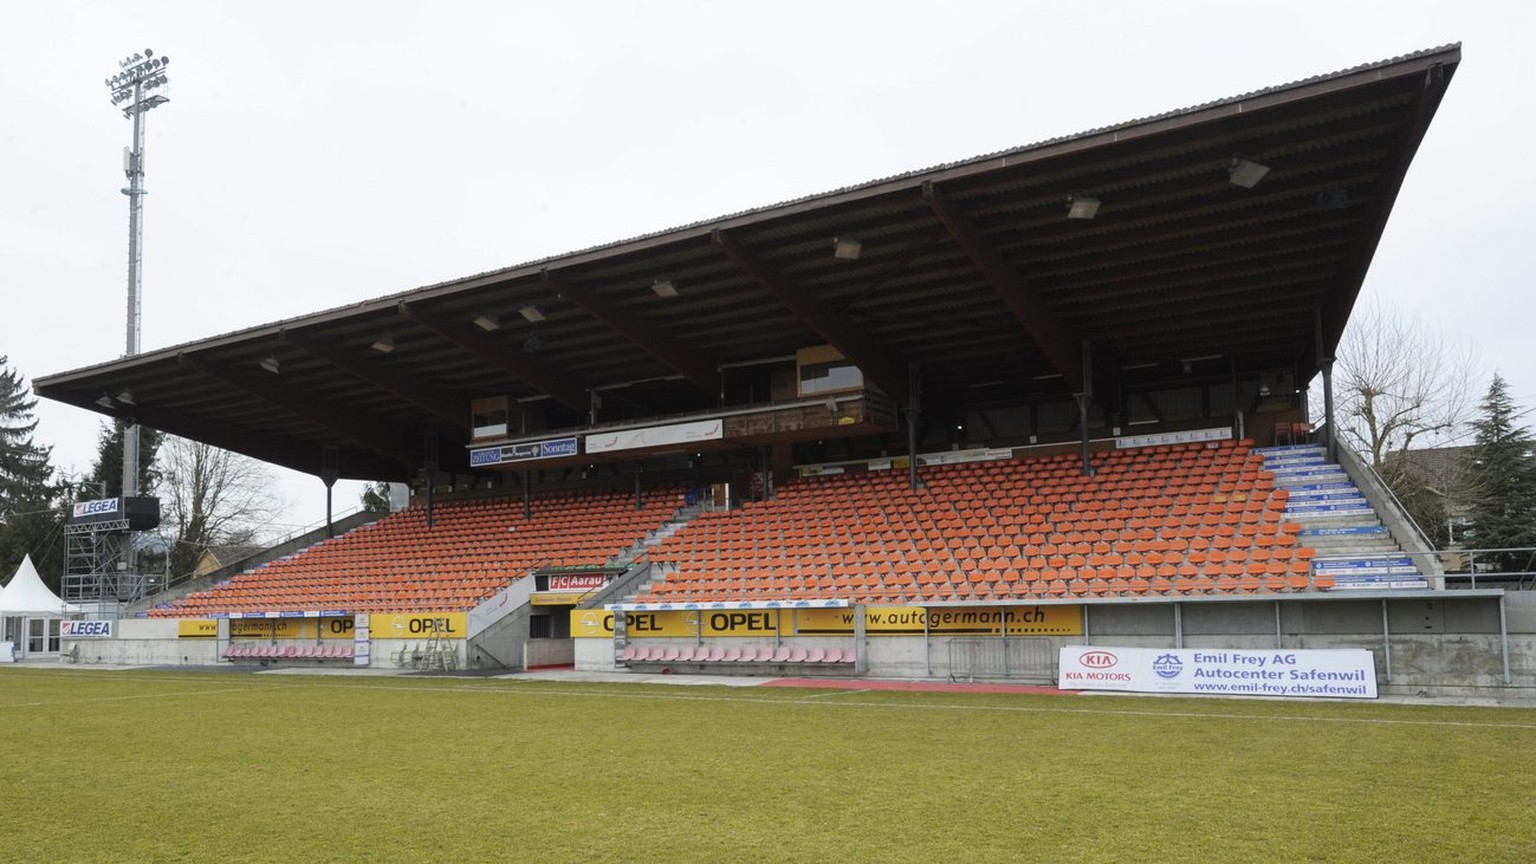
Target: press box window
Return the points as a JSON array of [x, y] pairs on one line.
[[823, 370], [489, 417]]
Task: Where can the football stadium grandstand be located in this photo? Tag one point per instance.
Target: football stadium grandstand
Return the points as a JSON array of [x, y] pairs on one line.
[[946, 423]]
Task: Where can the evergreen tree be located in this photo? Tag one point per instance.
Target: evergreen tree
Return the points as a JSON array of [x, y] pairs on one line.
[[106, 477], [29, 497], [1503, 514], [375, 497]]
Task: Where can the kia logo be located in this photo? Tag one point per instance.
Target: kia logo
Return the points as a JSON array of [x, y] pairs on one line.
[[1098, 660]]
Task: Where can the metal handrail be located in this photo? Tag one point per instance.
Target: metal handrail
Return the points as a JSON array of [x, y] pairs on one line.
[[1471, 572], [172, 580], [1402, 508]]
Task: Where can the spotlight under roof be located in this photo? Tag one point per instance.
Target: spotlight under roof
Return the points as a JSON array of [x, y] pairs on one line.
[[846, 248], [1246, 172], [531, 312], [1082, 207]]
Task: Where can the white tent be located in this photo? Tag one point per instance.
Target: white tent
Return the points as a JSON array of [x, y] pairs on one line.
[[27, 596]]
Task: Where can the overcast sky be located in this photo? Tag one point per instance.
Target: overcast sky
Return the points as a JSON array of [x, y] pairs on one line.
[[319, 154]]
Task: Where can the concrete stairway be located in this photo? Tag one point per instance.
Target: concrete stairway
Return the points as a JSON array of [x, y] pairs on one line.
[[655, 537], [1352, 544]]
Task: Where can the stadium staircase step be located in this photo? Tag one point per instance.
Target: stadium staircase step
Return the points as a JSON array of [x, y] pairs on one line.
[[1338, 522], [656, 537]]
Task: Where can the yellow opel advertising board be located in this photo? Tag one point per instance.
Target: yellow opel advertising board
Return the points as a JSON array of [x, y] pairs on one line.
[[419, 625], [878, 621], [590, 623]]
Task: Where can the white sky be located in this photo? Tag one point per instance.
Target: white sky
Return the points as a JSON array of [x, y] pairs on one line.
[[318, 154]]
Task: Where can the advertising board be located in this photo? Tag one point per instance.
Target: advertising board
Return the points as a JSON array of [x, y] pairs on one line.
[[1344, 673]]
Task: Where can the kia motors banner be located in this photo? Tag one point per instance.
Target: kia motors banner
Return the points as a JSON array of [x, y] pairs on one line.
[[1340, 674]]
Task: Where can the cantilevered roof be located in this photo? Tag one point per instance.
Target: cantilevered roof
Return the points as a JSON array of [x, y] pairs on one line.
[[970, 271]]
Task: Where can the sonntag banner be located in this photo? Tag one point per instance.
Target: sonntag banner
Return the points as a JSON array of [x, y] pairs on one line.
[[654, 436], [526, 451], [1339, 674], [91, 628]]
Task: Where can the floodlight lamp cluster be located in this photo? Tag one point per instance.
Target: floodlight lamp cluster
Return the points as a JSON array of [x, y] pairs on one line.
[[141, 73]]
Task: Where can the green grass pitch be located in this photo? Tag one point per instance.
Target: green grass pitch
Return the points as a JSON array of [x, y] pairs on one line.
[[199, 767]]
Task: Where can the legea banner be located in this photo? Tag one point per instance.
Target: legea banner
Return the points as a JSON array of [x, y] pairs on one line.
[[1346, 674]]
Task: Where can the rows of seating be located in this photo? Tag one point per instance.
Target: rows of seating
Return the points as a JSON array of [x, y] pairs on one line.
[[1178, 519], [471, 550], [782, 654], [289, 652]]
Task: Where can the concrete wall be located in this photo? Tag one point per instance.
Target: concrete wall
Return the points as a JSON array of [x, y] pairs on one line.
[[1445, 644], [500, 646], [143, 642], [549, 652]]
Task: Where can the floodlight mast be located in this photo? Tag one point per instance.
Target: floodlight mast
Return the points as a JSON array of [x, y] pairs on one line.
[[131, 92]]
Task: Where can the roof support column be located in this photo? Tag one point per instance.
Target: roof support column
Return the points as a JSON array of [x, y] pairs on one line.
[[914, 405], [429, 467], [1325, 363], [1084, 400], [330, 472]]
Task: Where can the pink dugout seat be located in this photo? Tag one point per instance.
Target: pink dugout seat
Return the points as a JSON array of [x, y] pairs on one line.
[[797, 655], [669, 654], [686, 654], [781, 654], [628, 653], [733, 654], [833, 655], [815, 655], [716, 654]]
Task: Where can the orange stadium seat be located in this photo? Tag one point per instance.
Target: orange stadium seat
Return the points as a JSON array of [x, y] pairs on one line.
[[472, 550], [1178, 519]]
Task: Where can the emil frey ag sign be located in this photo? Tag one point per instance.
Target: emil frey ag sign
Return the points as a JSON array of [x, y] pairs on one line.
[[1343, 674]]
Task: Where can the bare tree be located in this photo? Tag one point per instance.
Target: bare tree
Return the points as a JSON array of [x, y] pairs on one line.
[[1401, 385], [211, 497]]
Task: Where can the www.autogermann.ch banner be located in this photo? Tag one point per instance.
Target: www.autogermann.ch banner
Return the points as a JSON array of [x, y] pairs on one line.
[[1342, 674]]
